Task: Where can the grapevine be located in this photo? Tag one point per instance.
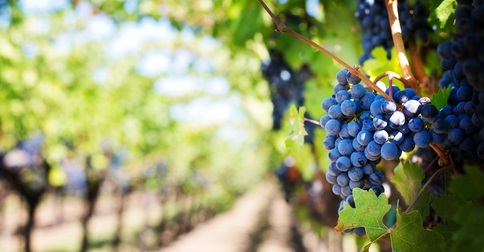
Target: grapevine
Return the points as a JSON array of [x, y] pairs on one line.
[[366, 122]]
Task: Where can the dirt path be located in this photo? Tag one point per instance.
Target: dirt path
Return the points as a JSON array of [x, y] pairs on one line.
[[259, 221]]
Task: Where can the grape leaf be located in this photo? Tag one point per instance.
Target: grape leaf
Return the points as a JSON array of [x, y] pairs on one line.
[[368, 213], [408, 180], [447, 205], [439, 99], [469, 185], [445, 10], [469, 236], [295, 139], [409, 234], [447, 231]]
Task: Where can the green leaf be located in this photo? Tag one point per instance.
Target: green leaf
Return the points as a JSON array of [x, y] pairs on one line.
[[447, 231], [444, 11], [368, 213], [422, 204], [408, 180], [409, 234], [447, 205], [469, 185], [295, 139], [469, 237], [439, 99]]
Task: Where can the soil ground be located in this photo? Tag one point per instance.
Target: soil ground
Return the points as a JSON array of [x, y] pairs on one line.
[[260, 221]]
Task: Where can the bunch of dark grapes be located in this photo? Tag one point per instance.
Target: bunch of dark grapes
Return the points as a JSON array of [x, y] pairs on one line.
[[459, 126], [374, 23], [279, 75], [286, 87], [362, 127]]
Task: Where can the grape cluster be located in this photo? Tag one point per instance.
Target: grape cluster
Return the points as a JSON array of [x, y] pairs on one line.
[[458, 126], [362, 127], [286, 86], [373, 19]]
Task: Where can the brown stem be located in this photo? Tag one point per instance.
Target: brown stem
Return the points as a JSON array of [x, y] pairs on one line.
[[419, 194], [392, 9], [311, 121], [444, 158], [281, 27], [431, 164], [393, 74], [418, 67]]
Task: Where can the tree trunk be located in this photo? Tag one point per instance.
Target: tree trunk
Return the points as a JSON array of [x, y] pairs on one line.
[[32, 206]]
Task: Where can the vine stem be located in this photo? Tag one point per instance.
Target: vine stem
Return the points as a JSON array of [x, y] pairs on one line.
[[418, 67], [392, 9], [419, 194], [312, 121], [281, 27], [444, 159], [431, 164], [392, 74]]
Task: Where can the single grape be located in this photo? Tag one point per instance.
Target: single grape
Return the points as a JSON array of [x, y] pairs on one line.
[[367, 100], [455, 136], [422, 139], [342, 95], [328, 102], [380, 136], [388, 106], [390, 151], [334, 154], [343, 132], [357, 91], [345, 191], [336, 189], [332, 127], [368, 169], [411, 108], [343, 163], [356, 184], [396, 120], [324, 119], [357, 146], [341, 76], [343, 179], [358, 159], [407, 144], [355, 174], [429, 112], [354, 128], [353, 79], [348, 108], [335, 111], [330, 178], [376, 178], [379, 122], [345, 147], [364, 137], [328, 142], [373, 148], [333, 170], [376, 107]]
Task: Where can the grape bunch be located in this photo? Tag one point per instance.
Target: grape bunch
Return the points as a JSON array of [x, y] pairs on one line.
[[459, 125], [362, 127], [373, 19], [286, 87], [279, 75]]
